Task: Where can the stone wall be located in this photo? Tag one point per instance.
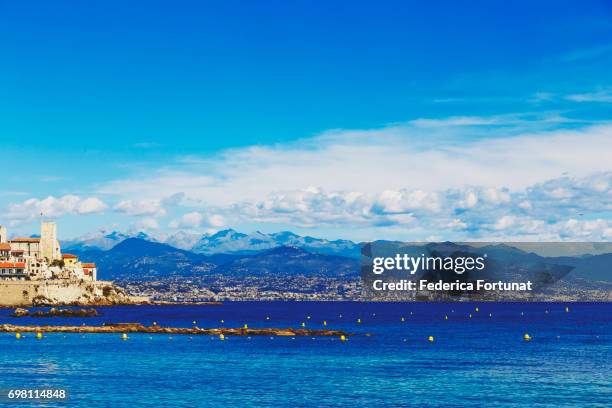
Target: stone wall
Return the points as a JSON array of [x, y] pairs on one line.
[[60, 292]]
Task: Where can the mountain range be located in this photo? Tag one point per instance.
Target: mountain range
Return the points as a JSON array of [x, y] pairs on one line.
[[142, 259], [227, 241], [139, 259], [231, 253]]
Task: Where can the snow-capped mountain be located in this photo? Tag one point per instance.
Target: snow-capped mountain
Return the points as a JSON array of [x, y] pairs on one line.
[[103, 240], [337, 247], [230, 241], [226, 241], [182, 240]]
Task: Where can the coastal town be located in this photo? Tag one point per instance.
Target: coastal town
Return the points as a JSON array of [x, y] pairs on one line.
[[40, 258], [228, 288], [35, 272]]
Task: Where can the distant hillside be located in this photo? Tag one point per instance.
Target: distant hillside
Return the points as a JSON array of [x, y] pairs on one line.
[[140, 259], [291, 261], [508, 263], [227, 254], [592, 267], [135, 258]]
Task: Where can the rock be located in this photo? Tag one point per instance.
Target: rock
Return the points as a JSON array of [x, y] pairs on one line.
[[20, 312], [53, 312], [41, 300]]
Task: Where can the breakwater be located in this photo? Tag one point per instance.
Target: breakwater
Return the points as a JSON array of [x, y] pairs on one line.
[[156, 329]]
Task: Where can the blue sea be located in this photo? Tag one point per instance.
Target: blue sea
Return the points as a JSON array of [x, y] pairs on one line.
[[477, 361]]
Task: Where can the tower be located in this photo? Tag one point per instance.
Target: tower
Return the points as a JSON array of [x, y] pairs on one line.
[[49, 247], [3, 235]]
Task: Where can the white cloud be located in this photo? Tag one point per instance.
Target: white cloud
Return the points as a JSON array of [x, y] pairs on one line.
[[91, 205], [587, 229], [604, 96], [394, 201], [54, 207], [145, 224], [477, 212], [540, 97], [456, 223], [189, 220], [505, 222], [426, 177], [140, 207], [216, 221], [469, 200], [195, 220], [393, 158], [456, 121]]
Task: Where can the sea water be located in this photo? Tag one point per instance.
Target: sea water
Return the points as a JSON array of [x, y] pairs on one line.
[[482, 360]]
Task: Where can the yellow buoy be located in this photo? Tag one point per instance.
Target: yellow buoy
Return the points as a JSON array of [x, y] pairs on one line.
[[222, 321], [403, 320], [303, 324], [342, 337], [566, 309], [221, 336], [470, 315], [194, 322], [476, 309], [124, 336], [39, 335], [324, 322], [431, 339], [17, 336], [445, 317], [358, 320], [527, 337], [246, 326]]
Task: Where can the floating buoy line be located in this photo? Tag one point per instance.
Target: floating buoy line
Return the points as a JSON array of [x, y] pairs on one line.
[[124, 336]]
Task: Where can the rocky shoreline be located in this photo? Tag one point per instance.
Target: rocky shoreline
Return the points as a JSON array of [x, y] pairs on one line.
[[156, 329], [104, 303], [53, 312]]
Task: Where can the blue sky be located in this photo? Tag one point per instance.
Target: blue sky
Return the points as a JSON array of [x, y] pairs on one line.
[[162, 111]]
